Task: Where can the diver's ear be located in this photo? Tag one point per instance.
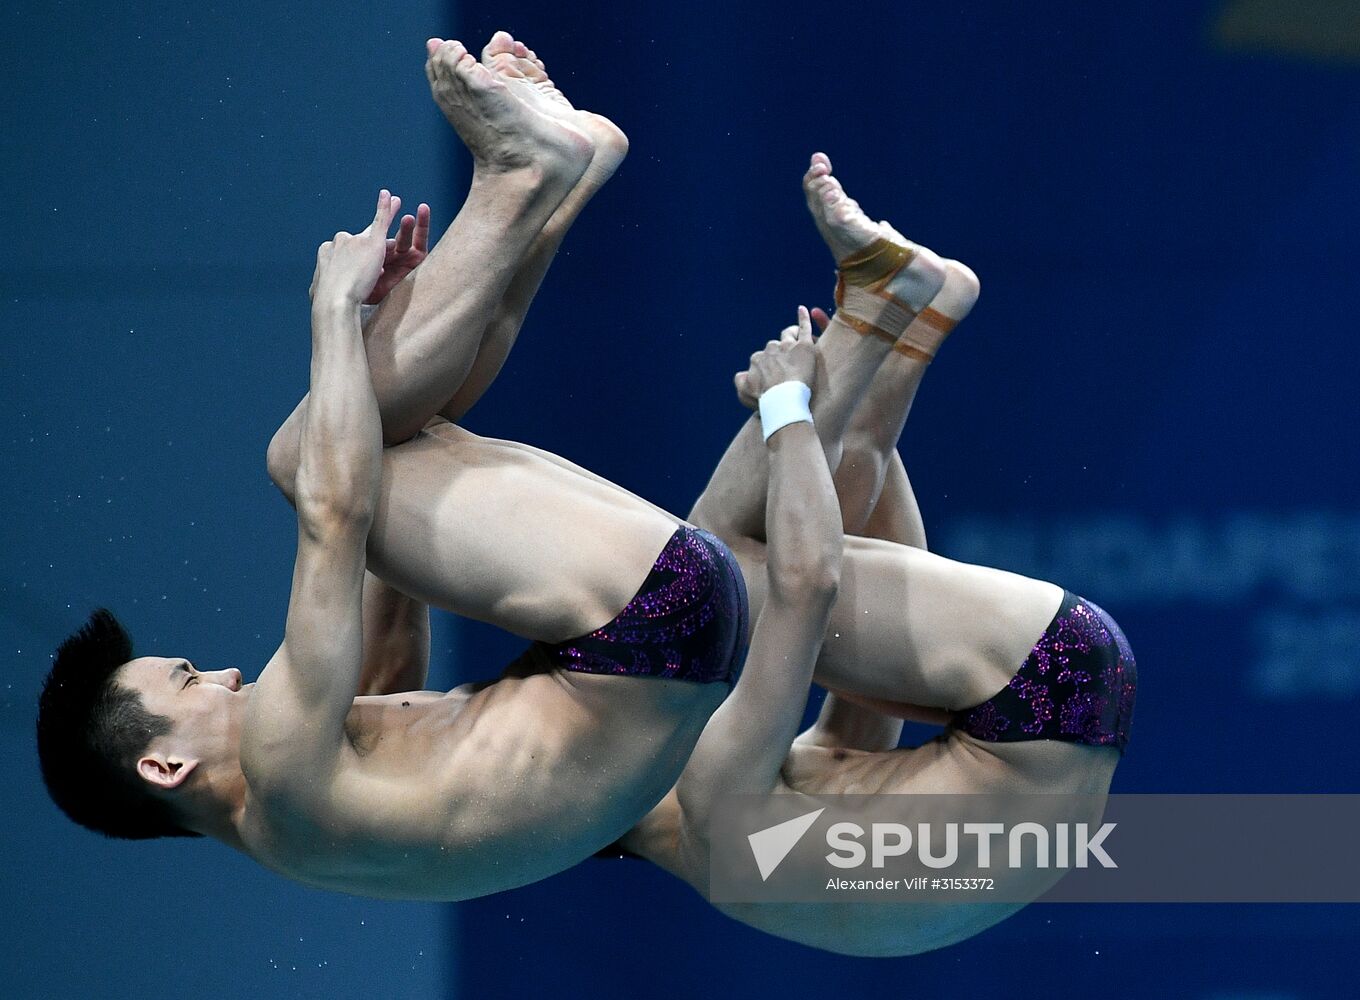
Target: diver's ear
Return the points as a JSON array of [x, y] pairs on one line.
[[165, 772]]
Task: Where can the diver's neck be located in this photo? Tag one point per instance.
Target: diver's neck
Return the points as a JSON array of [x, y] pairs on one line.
[[220, 812]]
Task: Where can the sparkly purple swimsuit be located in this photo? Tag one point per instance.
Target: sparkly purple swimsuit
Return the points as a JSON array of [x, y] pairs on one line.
[[1077, 685], [687, 622]]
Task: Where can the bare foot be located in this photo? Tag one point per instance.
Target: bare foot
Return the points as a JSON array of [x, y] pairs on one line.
[[846, 229], [525, 73], [503, 132]]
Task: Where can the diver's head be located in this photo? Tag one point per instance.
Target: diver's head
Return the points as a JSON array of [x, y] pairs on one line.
[[136, 747]]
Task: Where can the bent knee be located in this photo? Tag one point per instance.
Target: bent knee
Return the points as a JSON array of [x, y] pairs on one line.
[[864, 455], [281, 459], [705, 516]]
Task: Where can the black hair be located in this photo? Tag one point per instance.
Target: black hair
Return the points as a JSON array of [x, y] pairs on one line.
[[91, 732]]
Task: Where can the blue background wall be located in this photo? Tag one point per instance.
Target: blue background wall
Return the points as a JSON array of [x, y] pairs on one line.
[[1152, 405]]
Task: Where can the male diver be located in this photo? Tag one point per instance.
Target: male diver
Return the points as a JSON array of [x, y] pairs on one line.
[[177, 767], [637, 619], [1057, 728]]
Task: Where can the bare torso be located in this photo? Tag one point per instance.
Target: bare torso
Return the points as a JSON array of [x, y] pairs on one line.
[[451, 796], [953, 764]]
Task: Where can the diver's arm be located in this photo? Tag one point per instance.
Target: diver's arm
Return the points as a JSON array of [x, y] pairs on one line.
[[747, 740], [293, 738]]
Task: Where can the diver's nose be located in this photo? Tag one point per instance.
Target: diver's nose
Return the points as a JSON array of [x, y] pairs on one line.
[[233, 678]]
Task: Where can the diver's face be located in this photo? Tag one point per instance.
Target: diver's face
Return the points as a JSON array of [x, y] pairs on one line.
[[205, 707]]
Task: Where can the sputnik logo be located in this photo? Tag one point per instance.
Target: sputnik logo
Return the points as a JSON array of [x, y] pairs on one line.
[[773, 844]]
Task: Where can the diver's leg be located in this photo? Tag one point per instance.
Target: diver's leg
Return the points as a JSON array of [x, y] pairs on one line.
[[885, 284], [423, 338], [875, 494], [877, 501], [910, 628], [526, 74]]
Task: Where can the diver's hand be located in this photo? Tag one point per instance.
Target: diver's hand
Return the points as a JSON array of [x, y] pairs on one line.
[[791, 358], [348, 267], [404, 253]]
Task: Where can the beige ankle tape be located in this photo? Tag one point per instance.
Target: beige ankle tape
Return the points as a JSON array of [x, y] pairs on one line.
[[878, 315], [863, 328], [923, 337], [938, 320], [902, 347]]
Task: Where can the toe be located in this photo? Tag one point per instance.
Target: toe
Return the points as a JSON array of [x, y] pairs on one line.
[[819, 167], [450, 53], [500, 42], [531, 66], [506, 65], [473, 74]]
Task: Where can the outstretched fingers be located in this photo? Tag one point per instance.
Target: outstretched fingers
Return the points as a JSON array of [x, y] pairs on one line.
[[421, 236], [413, 233], [801, 331], [405, 234], [388, 206]]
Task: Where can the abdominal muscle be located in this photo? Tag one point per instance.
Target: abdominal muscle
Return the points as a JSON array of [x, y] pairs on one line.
[[454, 796], [497, 532], [1074, 778]]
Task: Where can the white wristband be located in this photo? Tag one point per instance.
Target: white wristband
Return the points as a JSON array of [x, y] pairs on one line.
[[784, 404]]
